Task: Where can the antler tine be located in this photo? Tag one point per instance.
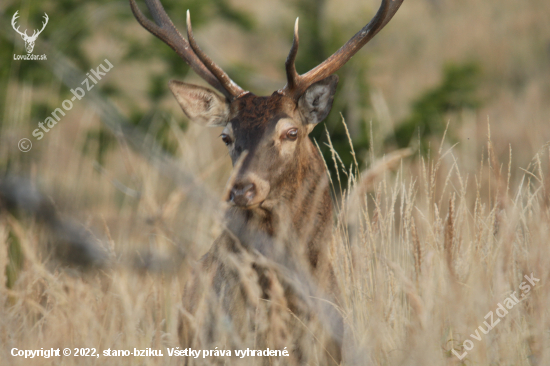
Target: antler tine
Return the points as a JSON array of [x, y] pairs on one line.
[[297, 84], [36, 33], [290, 64], [221, 75], [13, 19], [164, 29], [46, 19]]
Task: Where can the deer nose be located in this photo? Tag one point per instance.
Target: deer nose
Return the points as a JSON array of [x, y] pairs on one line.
[[242, 194]]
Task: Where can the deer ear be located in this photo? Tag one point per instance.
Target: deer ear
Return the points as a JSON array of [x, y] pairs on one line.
[[316, 102], [200, 104]]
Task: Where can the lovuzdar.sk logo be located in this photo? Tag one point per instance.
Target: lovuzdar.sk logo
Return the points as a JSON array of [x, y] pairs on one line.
[[29, 40]]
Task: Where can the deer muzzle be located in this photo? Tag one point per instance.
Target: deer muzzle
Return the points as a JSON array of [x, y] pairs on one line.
[[249, 191]]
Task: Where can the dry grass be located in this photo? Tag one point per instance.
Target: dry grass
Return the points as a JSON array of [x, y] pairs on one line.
[[424, 247], [421, 261]]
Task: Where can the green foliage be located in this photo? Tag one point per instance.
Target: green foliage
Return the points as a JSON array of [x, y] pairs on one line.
[[74, 24], [15, 255], [156, 124], [228, 12], [458, 90], [68, 29], [102, 139]]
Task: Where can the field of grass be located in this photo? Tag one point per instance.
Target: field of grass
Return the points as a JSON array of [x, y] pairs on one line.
[[429, 245]]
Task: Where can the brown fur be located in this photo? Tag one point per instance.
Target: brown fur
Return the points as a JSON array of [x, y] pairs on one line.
[[273, 258], [278, 231]]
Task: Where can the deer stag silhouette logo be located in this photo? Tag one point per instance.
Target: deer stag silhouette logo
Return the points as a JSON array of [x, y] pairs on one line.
[[29, 40]]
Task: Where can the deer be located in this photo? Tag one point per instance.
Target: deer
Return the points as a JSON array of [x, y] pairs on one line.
[[279, 219], [29, 40]]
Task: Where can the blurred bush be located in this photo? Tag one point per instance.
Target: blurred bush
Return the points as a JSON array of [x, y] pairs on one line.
[[457, 91], [76, 25]]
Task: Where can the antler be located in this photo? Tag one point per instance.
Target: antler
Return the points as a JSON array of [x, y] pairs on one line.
[[43, 24], [34, 34], [228, 84], [298, 84], [13, 19], [164, 29]]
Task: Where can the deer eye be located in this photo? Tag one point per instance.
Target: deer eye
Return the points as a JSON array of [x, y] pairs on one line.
[[292, 134], [226, 139]]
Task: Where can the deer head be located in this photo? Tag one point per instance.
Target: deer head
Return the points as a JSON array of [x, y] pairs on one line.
[[273, 130], [29, 40]]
